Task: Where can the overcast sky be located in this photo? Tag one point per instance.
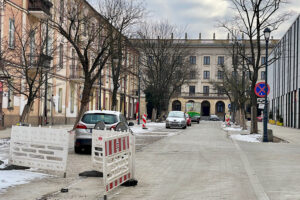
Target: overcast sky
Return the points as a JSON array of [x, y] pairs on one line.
[[202, 15]]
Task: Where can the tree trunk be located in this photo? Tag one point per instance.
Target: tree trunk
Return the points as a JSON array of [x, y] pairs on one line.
[[253, 115], [162, 116], [26, 111], [114, 99], [84, 102], [154, 113], [237, 116], [243, 119]]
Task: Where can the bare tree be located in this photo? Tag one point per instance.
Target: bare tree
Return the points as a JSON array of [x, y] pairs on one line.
[[234, 81], [164, 64], [89, 33], [123, 15], [251, 18], [26, 62]]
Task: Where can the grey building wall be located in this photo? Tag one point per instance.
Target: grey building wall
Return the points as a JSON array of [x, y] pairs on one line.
[[284, 77]]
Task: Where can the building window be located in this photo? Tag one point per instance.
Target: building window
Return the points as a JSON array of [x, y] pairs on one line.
[[220, 107], [178, 90], [206, 60], [220, 74], [72, 97], [262, 75], [60, 100], [32, 47], [220, 91], [150, 60], [11, 41], [193, 60], [62, 11], [193, 74], [192, 90], [206, 75], [49, 96], [263, 60], [10, 97], [248, 74], [249, 60], [221, 60], [234, 74], [206, 89], [61, 54]]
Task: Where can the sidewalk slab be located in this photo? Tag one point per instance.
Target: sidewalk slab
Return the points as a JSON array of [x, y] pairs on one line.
[[290, 135]]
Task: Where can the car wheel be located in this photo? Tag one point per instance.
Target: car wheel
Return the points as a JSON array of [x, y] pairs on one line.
[[198, 122], [167, 127], [77, 150], [184, 127]]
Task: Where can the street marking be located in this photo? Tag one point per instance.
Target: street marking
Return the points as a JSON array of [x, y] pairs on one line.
[[255, 183]]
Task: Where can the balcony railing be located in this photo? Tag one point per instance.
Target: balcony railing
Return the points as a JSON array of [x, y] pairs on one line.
[[39, 7], [199, 95], [75, 73]]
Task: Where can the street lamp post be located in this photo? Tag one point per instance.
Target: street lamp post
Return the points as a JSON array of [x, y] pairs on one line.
[[267, 33], [139, 93], [100, 84]]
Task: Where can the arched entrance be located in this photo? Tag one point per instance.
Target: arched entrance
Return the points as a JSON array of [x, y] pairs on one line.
[[176, 105], [205, 108], [220, 108]]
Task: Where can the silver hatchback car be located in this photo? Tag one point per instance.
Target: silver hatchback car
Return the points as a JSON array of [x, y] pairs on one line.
[[176, 119], [85, 127]]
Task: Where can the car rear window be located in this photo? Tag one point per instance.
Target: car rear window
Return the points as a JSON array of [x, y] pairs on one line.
[[96, 117], [176, 114]]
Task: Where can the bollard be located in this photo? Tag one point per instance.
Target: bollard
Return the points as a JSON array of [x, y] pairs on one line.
[[144, 121]]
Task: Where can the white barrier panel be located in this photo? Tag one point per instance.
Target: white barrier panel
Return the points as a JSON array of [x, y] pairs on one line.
[[43, 148], [110, 150]]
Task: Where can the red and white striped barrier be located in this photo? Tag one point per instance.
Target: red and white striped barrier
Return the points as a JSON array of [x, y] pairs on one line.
[[144, 121], [112, 153]]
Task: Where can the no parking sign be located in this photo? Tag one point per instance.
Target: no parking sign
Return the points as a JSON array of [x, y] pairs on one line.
[[260, 89]]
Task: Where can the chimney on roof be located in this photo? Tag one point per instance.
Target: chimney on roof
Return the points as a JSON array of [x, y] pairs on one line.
[[172, 36], [158, 37], [228, 36], [242, 36], [272, 37], [186, 36], [214, 36], [199, 36]]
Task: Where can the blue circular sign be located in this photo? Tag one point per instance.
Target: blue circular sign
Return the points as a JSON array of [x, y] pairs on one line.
[[260, 89]]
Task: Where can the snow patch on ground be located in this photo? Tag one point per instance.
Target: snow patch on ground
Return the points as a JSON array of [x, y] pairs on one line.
[[151, 126], [247, 138], [4, 151], [232, 129], [10, 178]]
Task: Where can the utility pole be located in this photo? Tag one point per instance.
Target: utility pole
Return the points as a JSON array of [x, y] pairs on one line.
[[125, 96], [46, 77], [100, 84], [139, 93], [267, 33]]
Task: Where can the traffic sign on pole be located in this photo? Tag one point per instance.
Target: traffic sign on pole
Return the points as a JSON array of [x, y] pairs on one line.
[[260, 89]]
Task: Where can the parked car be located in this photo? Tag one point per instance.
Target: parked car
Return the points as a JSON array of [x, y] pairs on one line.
[[188, 120], [176, 119], [259, 118], [84, 129], [214, 118], [196, 118]]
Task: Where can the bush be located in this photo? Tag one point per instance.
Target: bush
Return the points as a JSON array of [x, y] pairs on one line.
[[280, 119], [271, 115]]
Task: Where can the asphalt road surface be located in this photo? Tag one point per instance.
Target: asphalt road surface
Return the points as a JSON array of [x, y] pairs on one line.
[[201, 162]]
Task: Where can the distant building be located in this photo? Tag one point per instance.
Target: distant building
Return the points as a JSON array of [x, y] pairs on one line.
[[208, 55], [284, 78]]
